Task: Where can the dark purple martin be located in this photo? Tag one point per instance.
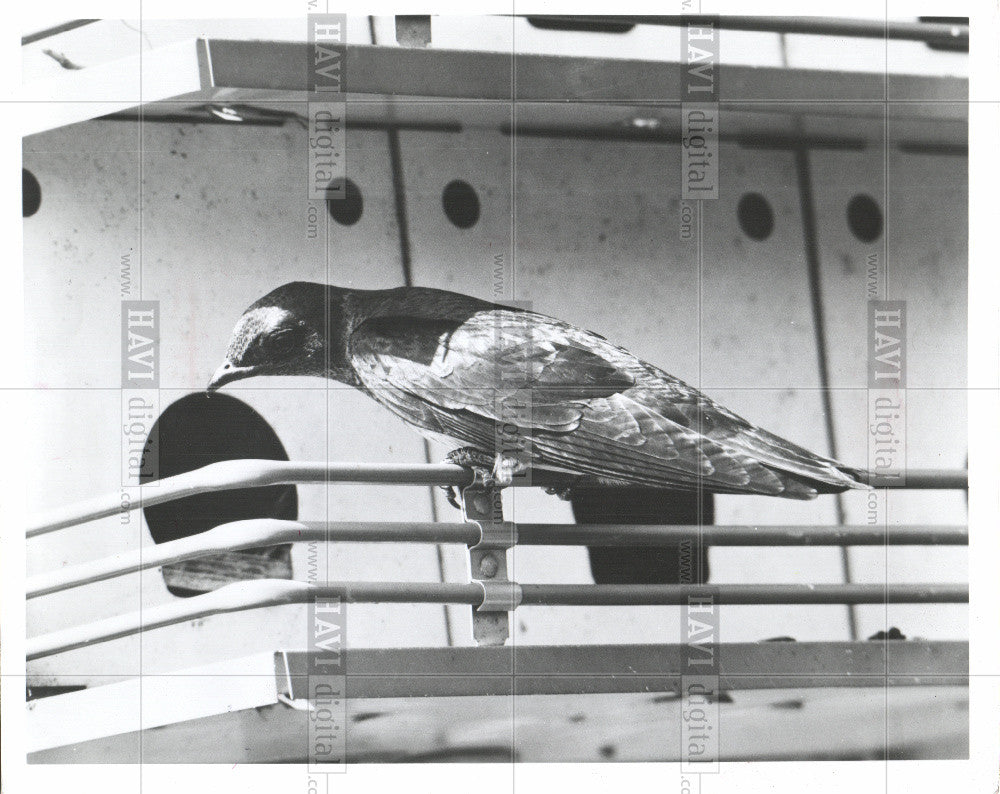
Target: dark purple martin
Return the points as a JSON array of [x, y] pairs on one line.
[[512, 387]]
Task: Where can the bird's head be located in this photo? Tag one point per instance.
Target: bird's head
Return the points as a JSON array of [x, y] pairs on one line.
[[283, 333]]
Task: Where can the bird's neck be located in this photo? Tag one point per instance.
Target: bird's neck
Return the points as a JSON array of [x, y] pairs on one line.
[[340, 322]]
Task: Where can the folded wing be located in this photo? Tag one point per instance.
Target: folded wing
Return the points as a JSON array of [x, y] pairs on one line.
[[589, 407]]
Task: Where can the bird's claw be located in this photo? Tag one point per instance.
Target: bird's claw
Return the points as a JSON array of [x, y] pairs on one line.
[[452, 496], [484, 476], [492, 472]]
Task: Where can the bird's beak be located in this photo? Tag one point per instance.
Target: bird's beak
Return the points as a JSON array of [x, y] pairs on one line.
[[227, 373]]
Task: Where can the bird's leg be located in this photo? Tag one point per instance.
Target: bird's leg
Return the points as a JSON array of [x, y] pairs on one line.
[[505, 469], [495, 471], [471, 458]]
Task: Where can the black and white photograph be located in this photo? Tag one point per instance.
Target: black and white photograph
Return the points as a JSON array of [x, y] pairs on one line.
[[481, 399]]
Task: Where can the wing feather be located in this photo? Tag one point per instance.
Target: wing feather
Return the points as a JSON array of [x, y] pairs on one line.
[[590, 407]]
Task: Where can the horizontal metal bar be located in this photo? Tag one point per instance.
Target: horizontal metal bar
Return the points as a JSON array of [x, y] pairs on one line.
[[930, 32], [244, 596], [250, 473], [73, 24], [932, 479], [649, 595], [738, 535], [249, 534], [255, 533], [654, 668]]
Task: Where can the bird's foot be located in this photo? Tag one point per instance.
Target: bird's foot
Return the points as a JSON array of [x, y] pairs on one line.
[[495, 471], [471, 458]]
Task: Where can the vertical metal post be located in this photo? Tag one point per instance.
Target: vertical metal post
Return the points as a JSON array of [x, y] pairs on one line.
[[488, 563]]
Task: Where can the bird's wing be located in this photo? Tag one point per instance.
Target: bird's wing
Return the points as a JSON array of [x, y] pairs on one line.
[[487, 363], [590, 407]]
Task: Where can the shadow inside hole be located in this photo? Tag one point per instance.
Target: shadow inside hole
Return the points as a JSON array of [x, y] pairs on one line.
[[195, 431], [755, 216], [349, 206], [864, 218], [461, 204], [31, 194]]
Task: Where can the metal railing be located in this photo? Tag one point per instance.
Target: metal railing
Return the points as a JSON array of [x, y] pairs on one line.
[[489, 594], [243, 596], [252, 473], [930, 32], [256, 533]]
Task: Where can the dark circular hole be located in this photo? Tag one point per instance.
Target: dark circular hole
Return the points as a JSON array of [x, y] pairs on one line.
[[755, 216], [193, 432], [346, 210], [864, 218], [31, 194], [461, 204]]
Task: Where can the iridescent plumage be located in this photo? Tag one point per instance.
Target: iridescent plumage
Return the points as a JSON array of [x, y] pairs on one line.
[[457, 368]]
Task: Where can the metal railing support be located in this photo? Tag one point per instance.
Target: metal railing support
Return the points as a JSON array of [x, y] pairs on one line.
[[488, 563]]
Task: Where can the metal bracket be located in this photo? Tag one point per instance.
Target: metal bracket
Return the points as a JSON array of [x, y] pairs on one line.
[[488, 563], [500, 596]]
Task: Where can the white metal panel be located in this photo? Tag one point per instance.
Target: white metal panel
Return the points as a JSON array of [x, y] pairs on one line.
[[108, 40], [152, 702], [923, 247], [224, 220], [78, 94], [872, 55]]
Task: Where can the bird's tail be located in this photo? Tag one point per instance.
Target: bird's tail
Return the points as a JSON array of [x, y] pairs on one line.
[[860, 476], [799, 486]]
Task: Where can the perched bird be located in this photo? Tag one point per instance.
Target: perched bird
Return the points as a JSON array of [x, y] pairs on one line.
[[519, 389]]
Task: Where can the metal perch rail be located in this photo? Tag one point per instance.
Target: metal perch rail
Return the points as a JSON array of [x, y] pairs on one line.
[[488, 537], [243, 596], [260, 532], [251, 473]]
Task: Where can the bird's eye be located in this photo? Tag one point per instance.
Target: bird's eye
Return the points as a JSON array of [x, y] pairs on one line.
[[282, 342]]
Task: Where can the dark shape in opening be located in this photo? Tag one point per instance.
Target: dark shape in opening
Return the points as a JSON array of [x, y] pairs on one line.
[[755, 216], [31, 194], [673, 564], [864, 218], [195, 431], [346, 210], [461, 204]]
